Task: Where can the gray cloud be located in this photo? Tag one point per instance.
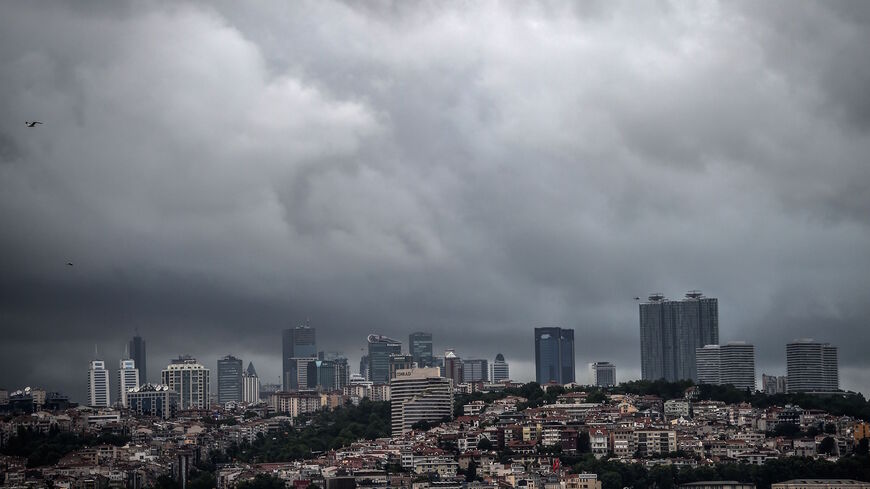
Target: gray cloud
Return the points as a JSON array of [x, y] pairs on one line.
[[218, 173]]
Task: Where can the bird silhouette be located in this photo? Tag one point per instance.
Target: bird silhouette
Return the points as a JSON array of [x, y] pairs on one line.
[[31, 123], [69, 264], [637, 298]]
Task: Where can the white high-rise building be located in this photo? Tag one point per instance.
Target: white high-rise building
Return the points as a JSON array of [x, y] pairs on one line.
[[812, 366], [128, 378], [738, 365], [709, 364], [603, 374], [419, 394], [98, 384], [500, 369], [190, 380], [252, 384], [730, 364]]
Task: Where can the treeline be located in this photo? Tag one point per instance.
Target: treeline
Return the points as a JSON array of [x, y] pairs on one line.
[[846, 404], [616, 475], [42, 449], [325, 430]]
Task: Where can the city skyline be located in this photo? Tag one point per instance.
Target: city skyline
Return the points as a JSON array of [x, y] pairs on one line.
[[215, 368]]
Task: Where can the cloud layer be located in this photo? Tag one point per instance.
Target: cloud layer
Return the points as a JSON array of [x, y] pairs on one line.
[[217, 173]]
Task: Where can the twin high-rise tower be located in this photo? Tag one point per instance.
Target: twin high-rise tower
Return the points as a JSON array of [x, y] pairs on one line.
[[671, 331], [554, 355]]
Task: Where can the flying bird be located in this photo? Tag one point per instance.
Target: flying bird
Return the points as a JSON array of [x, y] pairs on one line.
[[637, 298], [69, 264], [31, 123]]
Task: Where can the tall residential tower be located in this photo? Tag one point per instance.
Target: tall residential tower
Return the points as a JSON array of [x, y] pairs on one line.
[[671, 332], [812, 366]]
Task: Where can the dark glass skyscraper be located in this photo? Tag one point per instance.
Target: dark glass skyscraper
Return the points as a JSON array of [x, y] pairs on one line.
[[554, 355], [230, 384], [420, 348], [137, 354], [380, 349], [671, 331], [298, 342]]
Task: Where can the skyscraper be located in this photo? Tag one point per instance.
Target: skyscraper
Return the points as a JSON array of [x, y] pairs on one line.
[[476, 370], [98, 384], [671, 331], [420, 348], [738, 365], [251, 384], [190, 380], [419, 394], [554, 355], [453, 367], [298, 342], [230, 382], [364, 371], [812, 366], [708, 362], [500, 369], [603, 374], [128, 378], [731, 364], [380, 349], [322, 375], [342, 372], [137, 354]]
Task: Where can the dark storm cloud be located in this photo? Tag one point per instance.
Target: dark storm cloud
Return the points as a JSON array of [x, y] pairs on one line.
[[217, 173]]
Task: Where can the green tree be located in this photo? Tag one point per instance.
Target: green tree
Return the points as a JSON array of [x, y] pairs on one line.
[[827, 445]]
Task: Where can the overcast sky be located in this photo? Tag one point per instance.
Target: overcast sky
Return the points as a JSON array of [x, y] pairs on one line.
[[219, 171]]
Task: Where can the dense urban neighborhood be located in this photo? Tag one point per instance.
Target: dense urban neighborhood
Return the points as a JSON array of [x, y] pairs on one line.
[[636, 434]]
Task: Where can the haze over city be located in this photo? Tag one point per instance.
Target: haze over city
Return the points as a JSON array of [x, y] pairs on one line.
[[209, 175]]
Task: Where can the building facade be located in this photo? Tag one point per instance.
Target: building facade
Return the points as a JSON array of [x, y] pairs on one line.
[[708, 361], [380, 350], [730, 364], [738, 365], [230, 382], [774, 384], [251, 384], [419, 394], [554, 355], [136, 350], [452, 367], [298, 342], [475, 370], [98, 384], [400, 362], [153, 400], [672, 331], [128, 378], [500, 369], [420, 348], [603, 374], [812, 366], [190, 380]]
